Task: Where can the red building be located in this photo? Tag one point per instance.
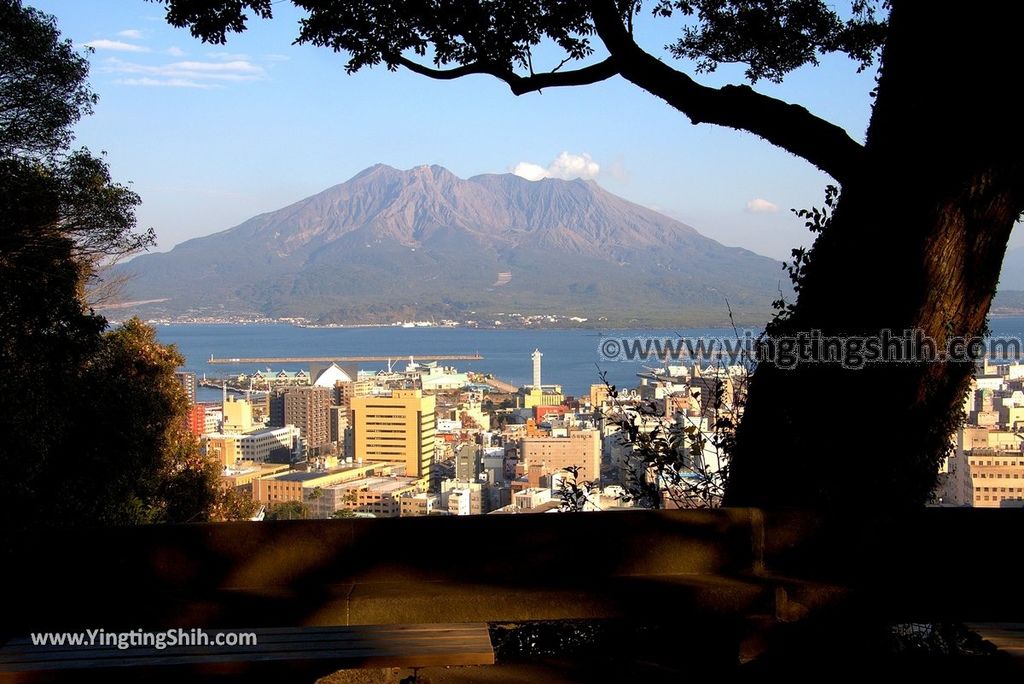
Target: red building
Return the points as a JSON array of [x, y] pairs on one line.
[[541, 411], [197, 419]]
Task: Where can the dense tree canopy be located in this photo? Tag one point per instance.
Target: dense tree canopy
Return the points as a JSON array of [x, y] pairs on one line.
[[43, 91], [93, 419], [917, 235]]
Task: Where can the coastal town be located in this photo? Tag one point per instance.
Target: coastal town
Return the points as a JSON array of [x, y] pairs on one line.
[[427, 439], [495, 320], [421, 440]]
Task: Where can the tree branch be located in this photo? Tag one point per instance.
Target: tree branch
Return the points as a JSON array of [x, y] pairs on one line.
[[519, 84], [785, 125]]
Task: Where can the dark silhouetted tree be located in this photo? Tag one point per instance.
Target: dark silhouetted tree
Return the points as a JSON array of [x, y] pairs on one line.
[[94, 421], [918, 233]]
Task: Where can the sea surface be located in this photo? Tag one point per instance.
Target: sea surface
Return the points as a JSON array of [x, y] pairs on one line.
[[571, 358]]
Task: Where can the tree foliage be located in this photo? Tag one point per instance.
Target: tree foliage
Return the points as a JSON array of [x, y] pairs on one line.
[[288, 510], [43, 91], [774, 38], [143, 458], [94, 420]]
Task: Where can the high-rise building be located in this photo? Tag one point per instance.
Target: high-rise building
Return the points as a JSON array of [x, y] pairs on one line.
[[343, 392], [467, 462], [338, 424], [397, 428], [307, 408], [197, 419], [536, 366], [275, 407], [188, 381]]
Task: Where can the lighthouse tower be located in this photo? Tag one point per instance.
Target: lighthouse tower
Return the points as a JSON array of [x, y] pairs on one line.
[[536, 367]]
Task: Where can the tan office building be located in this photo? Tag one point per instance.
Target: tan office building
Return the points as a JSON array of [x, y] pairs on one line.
[[416, 505], [223, 449], [242, 475], [581, 448], [997, 477], [395, 429], [295, 485]]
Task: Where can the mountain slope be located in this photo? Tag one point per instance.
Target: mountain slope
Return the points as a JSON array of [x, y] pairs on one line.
[[390, 244], [1012, 276]]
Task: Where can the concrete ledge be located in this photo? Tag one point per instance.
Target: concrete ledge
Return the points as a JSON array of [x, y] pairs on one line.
[[636, 597], [312, 553], [941, 564]]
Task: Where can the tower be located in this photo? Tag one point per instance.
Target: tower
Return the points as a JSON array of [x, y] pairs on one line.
[[536, 367]]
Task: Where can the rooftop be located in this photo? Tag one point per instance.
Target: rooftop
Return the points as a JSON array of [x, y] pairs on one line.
[[384, 485], [307, 475]]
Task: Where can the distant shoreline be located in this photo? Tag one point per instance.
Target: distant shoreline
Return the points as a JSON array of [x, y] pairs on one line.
[[499, 328], [597, 326]]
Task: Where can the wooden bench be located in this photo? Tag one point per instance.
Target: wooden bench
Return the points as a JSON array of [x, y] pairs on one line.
[[311, 652]]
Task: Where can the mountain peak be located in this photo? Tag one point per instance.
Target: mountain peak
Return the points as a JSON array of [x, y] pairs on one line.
[[390, 238], [375, 169]]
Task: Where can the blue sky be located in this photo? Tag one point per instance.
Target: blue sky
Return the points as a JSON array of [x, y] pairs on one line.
[[211, 135]]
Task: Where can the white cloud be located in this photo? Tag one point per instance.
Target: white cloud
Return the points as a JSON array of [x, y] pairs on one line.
[[175, 51], [185, 71], [761, 206], [115, 45], [164, 83], [565, 166], [230, 70], [228, 56], [531, 172], [134, 34]]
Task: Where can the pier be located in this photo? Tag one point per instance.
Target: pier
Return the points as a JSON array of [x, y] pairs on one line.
[[501, 385], [230, 385]]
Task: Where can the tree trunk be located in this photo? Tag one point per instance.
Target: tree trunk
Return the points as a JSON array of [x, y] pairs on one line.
[[916, 242]]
